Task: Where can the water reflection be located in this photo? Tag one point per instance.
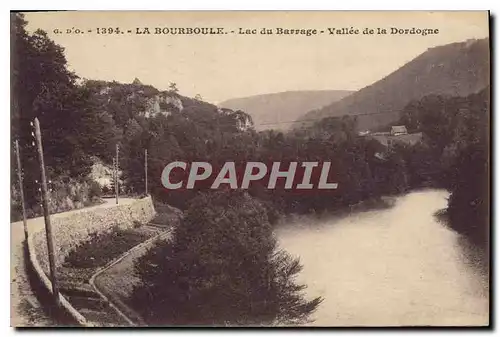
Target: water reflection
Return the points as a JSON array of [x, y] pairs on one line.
[[391, 267]]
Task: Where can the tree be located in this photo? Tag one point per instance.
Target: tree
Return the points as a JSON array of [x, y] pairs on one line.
[[172, 87], [43, 87], [132, 162], [223, 267], [469, 202]]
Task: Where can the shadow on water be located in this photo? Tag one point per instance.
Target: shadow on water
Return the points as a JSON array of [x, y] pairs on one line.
[[475, 256], [316, 218], [477, 259]]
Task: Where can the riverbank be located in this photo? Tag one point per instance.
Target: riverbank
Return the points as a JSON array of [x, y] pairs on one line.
[[372, 204]]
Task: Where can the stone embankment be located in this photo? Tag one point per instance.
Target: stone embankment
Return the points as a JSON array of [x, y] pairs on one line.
[[81, 301]]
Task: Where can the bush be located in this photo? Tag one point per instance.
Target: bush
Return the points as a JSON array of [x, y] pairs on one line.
[[103, 247], [105, 189], [95, 191], [223, 267]]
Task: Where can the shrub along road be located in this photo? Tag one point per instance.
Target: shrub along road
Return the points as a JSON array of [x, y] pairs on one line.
[[26, 309]]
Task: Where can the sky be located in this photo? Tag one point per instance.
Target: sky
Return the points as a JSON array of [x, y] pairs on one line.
[[225, 66]]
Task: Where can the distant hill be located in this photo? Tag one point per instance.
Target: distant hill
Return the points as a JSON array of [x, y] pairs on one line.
[[269, 110], [456, 69]]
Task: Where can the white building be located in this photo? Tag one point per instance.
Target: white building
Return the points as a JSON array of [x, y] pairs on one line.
[[398, 130]]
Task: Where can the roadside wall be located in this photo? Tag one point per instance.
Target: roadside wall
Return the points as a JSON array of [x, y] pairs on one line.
[[73, 228]]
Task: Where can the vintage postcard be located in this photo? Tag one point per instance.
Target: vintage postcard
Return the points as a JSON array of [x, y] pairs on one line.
[[251, 168]]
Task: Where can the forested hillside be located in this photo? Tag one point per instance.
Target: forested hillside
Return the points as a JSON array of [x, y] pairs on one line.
[[82, 121], [456, 69]]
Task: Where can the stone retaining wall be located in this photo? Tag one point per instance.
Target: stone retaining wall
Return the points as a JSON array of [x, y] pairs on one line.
[[74, 228], [71, 229], [47, 284]]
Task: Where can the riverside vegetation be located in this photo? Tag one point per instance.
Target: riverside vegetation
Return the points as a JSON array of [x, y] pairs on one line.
[[228, 269]]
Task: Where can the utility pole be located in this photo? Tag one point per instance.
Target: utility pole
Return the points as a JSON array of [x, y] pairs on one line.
[[46, 214], [113, 179], [116, 172], [146, 170], [21, 191]]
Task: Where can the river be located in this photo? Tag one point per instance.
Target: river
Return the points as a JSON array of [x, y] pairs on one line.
[[390, 267]]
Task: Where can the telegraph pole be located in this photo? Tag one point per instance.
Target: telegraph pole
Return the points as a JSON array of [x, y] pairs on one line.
[[46, 214], [21, 190], [113, 178], [146, 170], [116, 172]]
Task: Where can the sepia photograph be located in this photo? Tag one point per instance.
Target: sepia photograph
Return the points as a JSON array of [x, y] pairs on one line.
[[231, 169]]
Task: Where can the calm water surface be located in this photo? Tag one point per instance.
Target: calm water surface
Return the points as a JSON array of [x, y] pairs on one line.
[[397, 266]]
